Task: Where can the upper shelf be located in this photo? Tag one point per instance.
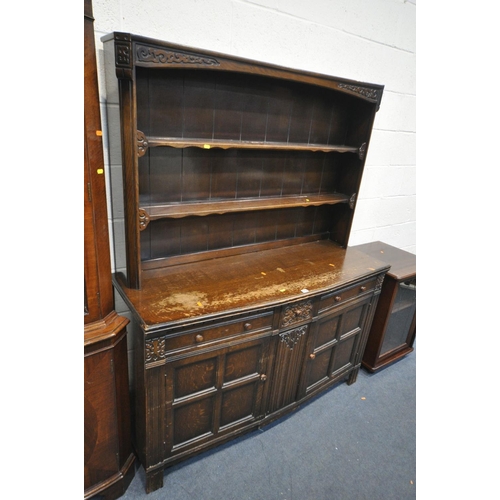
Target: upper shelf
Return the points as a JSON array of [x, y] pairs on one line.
[[146, 142]]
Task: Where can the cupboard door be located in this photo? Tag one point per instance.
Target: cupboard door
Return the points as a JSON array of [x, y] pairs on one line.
[[213, 393], [333, 346]]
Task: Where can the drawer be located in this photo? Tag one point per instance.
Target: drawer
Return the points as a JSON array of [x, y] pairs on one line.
[[203, 336], [343, 295], [292, 314]]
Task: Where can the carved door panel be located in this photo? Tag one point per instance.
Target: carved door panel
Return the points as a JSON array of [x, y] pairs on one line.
[[333, 346], [288, 362], [213, 393]]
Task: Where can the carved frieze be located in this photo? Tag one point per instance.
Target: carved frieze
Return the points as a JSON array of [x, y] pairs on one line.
[[162, 56], [294, 313], [292, 337], [371, 94]]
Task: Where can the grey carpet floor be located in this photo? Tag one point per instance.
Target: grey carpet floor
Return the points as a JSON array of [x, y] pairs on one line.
[[351, 443]]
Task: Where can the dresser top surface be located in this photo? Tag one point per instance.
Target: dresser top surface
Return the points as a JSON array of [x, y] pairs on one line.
[[214, 288]]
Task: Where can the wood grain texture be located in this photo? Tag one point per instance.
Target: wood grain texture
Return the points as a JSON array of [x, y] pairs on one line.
[[108, 457], [242, 178], [233, 284]]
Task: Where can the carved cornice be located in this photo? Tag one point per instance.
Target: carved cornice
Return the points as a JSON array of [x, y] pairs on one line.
[[292, 337], [295, 313], [371, 94], [163, 56], [155, 350]]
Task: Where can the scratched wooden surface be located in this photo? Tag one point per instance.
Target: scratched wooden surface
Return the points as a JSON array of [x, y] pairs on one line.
[[235, 284], [403, 264]]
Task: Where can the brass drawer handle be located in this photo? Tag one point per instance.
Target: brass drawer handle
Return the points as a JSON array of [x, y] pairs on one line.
[[338, 298], [362, 288], [199, 338], [312, 356], [247, 326]]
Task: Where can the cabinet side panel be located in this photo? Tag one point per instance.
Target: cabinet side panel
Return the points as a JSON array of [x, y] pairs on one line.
[[156, 417]]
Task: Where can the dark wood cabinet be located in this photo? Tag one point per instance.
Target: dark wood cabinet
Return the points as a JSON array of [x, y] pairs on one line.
[[108, 459], [394, 325], [240, 182]]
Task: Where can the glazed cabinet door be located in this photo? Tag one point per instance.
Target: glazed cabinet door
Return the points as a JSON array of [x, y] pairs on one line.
[[333, 346], [400, 330], [212, 394]]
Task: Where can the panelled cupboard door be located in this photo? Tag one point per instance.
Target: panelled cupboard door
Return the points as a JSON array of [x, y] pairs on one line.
[[333, 346], [214, 393]]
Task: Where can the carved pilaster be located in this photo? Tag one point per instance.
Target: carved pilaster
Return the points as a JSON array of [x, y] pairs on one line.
[[379, 282], [123, 55], [155, 350]]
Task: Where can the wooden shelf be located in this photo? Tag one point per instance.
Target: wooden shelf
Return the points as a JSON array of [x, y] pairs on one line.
[[202, 208], [234, 144]]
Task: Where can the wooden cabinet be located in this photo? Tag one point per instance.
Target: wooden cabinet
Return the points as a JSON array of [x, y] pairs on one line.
[[109, 460], [240, 182], [394, 325]]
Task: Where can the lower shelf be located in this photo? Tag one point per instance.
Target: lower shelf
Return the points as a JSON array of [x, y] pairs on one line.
[[202, 208]]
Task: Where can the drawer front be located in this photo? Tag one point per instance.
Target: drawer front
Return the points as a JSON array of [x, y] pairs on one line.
[[296, 313], [204, 336], [343, 295]]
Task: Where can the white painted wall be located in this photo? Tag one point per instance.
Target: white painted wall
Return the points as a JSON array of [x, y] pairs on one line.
[[367, 40]]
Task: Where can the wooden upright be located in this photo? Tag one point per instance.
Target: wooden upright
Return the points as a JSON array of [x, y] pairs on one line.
[[108, 460]]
